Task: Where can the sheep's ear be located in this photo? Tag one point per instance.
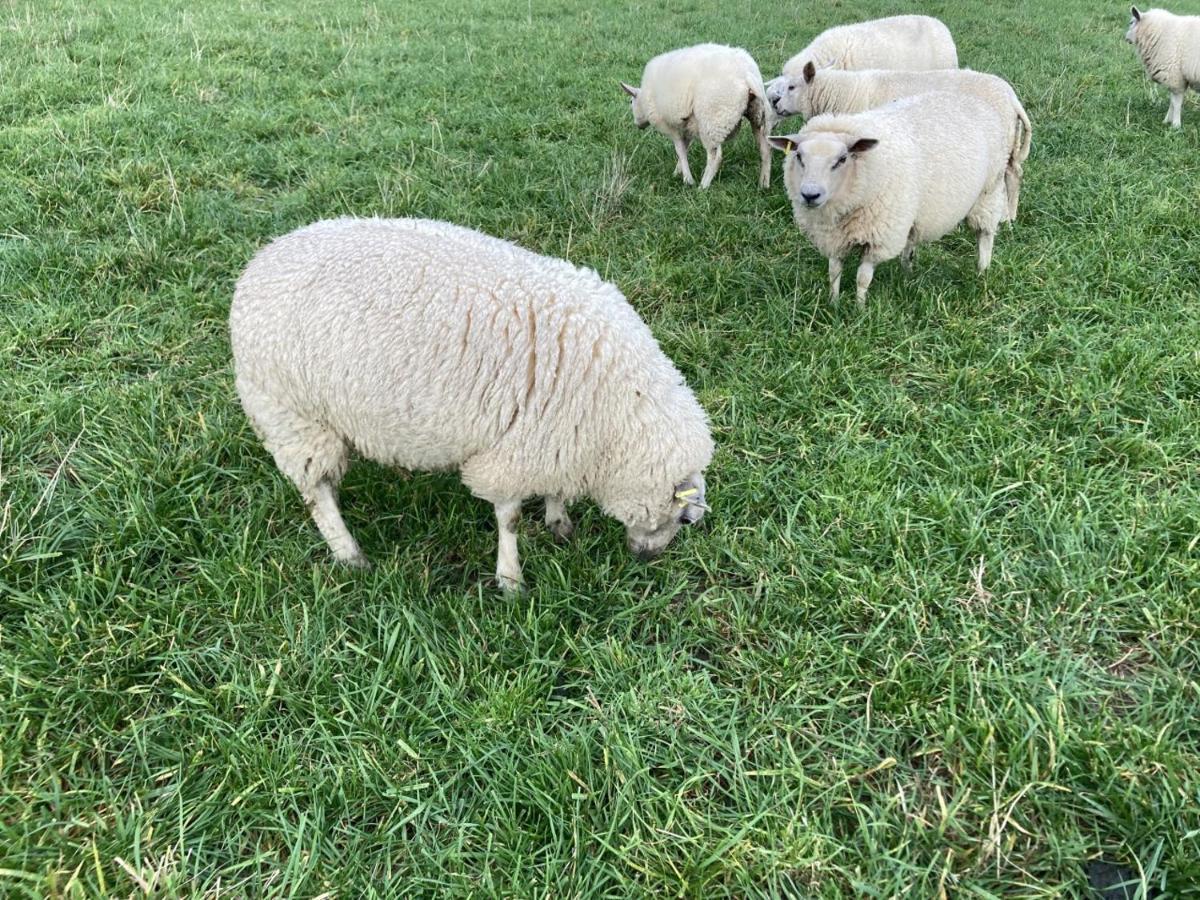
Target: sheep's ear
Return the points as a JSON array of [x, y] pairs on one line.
[[810, 72], [1133, 11], [862, 145], [785, 142], [629, 89]]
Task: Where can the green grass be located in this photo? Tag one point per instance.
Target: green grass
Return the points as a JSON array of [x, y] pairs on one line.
[[939, 632]]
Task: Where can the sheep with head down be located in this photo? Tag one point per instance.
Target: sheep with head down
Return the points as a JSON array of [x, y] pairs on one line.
[[703, 92], [423, 345]]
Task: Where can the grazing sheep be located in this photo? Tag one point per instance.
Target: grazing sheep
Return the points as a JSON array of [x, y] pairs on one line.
[[423, 345], [1169, 46], [817, 91], [703, 92], [897, 42], [894, 177]]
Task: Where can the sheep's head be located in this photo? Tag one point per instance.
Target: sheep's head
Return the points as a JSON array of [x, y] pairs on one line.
[[790, 96], [1135, 17], [685, 506], [817, 164], [640, 118]]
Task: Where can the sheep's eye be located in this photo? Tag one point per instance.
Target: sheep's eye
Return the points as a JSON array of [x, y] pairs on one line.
[[791, 87], [839, 162]]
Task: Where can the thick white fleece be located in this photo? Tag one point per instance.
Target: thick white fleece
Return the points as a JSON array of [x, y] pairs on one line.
[[844, 91], [896, 42], [704, 92], [940, 159], [1169, 46], [424, 345]]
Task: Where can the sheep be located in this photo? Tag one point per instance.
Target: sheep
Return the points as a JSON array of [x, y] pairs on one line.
[[428, 346], [897, 42], [1169, 46], [703, 92], [895, 177], [815, 91]]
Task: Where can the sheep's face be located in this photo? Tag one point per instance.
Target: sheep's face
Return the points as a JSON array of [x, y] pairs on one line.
[[1135, 18], [791, 93], [817, 164], [640, 119], [686, 506]]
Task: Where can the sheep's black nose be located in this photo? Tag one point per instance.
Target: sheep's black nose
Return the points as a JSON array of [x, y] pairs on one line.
[[810, 197]]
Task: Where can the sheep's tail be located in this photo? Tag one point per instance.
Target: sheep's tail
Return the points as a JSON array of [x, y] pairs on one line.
[[758, 110], [1022, 141]]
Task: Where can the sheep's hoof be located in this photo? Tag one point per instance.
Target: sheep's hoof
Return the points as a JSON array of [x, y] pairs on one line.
[[562, 529], [510, 586], [356, 562]]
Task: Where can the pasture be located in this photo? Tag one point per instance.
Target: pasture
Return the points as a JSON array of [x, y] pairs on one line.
[[937, 636]]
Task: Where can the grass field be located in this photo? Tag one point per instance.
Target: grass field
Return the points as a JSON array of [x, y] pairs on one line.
[[938, 634]]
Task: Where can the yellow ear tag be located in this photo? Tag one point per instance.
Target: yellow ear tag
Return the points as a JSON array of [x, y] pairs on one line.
[[682, 496], [791, 147]]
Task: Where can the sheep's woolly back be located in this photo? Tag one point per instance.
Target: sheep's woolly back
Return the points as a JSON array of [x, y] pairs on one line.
[[843, 91], [938, 153], [897, 42], [430, 346], [1169, 46], [702, 90]]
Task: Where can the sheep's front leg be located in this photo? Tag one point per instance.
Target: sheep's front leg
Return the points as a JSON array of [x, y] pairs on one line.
[[508, 565], [1174, 109], [714, 163], [835, 278], [681, 166], [866, 271], [557, 520]]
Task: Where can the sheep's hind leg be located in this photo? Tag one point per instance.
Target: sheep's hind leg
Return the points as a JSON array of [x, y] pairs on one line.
[[508, 564], [1174, 110], [714, 163], [557, 520], [313, 457], [681, 164], [764, 152]]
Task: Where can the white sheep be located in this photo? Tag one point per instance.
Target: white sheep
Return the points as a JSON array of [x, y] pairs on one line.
[[897, 42], [1169, 46], [817, 91], [703, 92], [895, 177], [423, 345]]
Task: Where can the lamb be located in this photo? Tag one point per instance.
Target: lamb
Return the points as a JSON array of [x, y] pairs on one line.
[[897, 42], [1169, 46], [816, 91], [703, 92], [895, 177], [428, 346]]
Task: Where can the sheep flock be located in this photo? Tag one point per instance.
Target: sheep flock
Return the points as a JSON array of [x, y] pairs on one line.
[[428, 346]]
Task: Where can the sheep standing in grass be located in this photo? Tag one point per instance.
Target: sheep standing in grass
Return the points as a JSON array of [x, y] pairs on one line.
[[897, 176], [1169, 46], [817, 91], [424, 345], [897, 42], [703, 92]]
